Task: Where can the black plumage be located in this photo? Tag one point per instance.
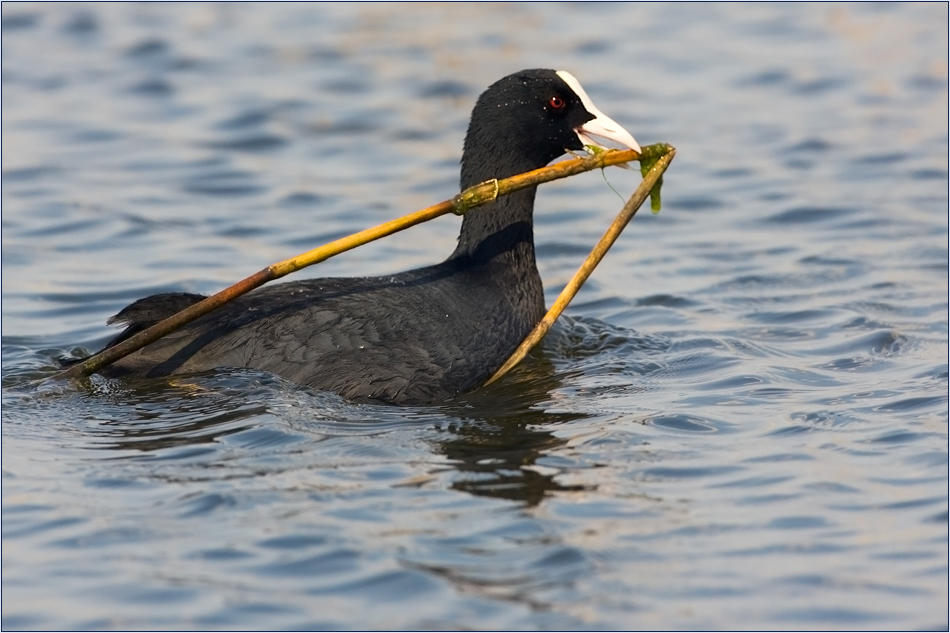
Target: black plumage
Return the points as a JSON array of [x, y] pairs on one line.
[[415, 337]]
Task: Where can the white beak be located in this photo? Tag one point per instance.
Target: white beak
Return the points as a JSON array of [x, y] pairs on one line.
[[601, 125], [607, 128]]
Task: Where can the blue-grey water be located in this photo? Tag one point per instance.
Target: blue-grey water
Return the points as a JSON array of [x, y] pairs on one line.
[[740, 423]]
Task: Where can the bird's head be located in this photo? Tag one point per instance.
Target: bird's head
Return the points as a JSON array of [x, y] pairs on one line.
[[529, 118]]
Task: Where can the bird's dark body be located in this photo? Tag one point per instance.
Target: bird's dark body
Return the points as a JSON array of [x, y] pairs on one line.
[[371, 338], [415, 337]]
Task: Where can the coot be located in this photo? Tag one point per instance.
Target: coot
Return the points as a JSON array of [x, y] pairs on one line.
[[416, 337]]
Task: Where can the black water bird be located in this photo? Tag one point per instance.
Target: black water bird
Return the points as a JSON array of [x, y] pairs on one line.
[[419, 336]]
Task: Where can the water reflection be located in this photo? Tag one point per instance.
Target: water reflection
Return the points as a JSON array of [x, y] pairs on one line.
[[497, 458], [500, 436], [493, 437], [147, 416]]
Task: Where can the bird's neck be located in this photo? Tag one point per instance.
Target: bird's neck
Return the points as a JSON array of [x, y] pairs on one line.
[[503, 228]]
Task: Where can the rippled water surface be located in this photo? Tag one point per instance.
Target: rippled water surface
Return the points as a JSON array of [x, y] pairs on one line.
[[742, 423]]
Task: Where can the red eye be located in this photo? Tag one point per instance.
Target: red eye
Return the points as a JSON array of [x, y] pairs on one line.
[[556, 102]]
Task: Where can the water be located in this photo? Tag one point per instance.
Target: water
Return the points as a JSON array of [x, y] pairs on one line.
[[741, 423]]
